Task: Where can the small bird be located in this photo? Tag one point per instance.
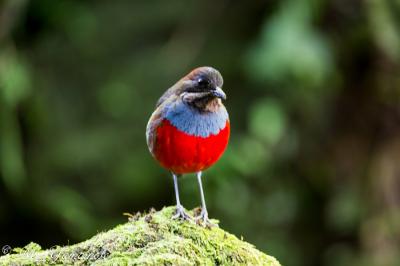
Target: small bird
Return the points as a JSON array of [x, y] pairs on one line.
[[189, 130]]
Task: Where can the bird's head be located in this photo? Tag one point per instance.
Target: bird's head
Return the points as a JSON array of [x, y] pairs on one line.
[[202, 88]]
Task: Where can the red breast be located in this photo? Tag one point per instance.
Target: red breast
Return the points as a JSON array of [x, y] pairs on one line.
[[182, 153]]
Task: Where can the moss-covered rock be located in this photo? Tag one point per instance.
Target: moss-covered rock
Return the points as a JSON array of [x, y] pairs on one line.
[[149, 239]]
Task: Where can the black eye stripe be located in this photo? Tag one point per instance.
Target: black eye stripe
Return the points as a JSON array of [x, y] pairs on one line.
[[204, 83], [201, 84]]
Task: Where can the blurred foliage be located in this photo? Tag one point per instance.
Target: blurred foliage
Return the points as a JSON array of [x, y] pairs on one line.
[[311, 174]]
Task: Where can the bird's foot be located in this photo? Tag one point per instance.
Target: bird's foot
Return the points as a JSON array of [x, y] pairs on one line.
[[181, 214], [203, 219]]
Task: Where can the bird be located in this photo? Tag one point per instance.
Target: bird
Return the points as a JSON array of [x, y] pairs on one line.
[[189, 130]]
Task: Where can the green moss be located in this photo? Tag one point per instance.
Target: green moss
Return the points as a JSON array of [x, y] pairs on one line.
[[149, 239]]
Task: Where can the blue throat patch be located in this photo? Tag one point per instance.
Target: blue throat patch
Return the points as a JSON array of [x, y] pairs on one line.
[[193, 122]]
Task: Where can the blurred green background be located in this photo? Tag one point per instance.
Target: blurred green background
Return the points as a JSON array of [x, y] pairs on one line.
[[312, 172]]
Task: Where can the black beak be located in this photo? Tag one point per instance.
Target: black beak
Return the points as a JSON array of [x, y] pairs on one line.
[[219, 93]]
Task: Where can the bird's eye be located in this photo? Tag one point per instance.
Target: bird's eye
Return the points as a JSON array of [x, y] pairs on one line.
[[203, 83]]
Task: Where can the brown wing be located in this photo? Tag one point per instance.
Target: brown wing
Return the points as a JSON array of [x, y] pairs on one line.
[[151, 130], [157, 117]]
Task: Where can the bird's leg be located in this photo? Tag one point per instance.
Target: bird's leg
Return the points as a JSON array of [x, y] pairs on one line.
[[180, 211], [204, 214]]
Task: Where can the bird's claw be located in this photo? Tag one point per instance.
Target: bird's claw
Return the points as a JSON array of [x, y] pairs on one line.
[[203, 220], [181, 214]]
